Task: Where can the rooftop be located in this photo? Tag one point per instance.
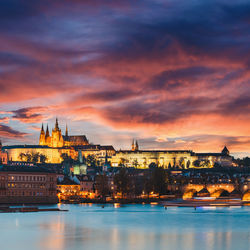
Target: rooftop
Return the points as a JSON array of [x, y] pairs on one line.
[[21, 169]]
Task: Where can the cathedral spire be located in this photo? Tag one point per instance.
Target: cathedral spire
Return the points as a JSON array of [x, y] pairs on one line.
[[136, 145], [42, 137], [47, 131], [66, 133], [133, 145], [56, 125], [42, 130]]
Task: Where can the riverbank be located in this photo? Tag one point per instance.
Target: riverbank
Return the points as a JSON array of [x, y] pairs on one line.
[[27, 209], [179, 202]]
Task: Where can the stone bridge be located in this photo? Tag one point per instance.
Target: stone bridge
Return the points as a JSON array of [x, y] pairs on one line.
[[210, 187]]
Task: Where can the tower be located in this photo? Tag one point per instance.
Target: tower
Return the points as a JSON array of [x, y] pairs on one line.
[[56, 137], [136, 146], [133, 145], [56, 125], [66, 132], [225, 151], [42, 137], [47, 132], [47, 136]]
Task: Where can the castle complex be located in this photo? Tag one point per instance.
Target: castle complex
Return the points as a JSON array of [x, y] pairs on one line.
[[57, 140], [169, 158], [53, 145]]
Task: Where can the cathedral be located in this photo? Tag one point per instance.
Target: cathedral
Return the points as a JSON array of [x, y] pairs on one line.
[[57, 140]]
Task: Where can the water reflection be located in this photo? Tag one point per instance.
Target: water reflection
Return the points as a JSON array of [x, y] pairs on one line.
[[127, 227]]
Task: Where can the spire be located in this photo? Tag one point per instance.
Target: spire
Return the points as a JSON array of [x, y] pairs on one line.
[[133, 145], [136, 145], [47, 131], [66, 133], [56, 125], [225, 151], [42, 136], [42, 130]]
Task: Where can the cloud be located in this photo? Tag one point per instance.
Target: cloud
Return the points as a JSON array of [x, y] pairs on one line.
[[30, 115], [10, 133], [4, 119], [157, 69]]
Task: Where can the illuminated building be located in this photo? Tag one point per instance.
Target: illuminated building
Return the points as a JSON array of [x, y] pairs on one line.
[[86, 186], [54, 145], [3, 155], [53, 155], [57, 140], [68, 187], [169, 158], [27, 185]]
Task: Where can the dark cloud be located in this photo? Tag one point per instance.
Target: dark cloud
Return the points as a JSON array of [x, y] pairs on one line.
[[29, 115], [8, 132], [127, 62], [105, 96], [236, 106], [157, 112]]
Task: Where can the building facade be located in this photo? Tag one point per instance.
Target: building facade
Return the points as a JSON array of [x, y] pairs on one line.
[[22, 185], [3, 155], [53, 155], [57, 140], [168, 158]]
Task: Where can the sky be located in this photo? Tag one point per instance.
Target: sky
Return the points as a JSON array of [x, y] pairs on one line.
[[172, 74]]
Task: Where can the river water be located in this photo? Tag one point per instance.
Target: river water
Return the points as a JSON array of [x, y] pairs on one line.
[[147, 227]]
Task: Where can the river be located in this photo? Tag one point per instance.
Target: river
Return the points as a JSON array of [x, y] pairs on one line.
[[147, 227]]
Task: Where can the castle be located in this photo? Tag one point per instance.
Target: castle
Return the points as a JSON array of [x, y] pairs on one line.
[[55, 144], [57, 140], [169, 158]]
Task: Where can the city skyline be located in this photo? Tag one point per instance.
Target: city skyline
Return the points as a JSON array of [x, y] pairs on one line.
[[173, 75]]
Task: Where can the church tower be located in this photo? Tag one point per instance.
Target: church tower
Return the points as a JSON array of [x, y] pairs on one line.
[[133, 145], [66, 132], [56, 137], [42, 137], [47, 136], [136, 146]]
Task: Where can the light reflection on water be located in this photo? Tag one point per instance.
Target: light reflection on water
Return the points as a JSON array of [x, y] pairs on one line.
[[127, 227]]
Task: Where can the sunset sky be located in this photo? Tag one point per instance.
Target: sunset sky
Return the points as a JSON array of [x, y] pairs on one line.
[[173, 74]]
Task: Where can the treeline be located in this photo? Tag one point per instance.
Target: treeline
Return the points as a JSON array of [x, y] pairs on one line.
[[245, 162], [132, 185], [33, 157], [90, 160]]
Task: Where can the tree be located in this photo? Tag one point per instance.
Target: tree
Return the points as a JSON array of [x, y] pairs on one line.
[[22, 156], [43, 158], [159, 180], [152, 165], [34, 157], [102, 185], [121, 180], [122, 162], [135, 163], [182, 163], [196, 163], [66, 158], [148, 185], [205, 164], [28, 157], [217, 165]]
